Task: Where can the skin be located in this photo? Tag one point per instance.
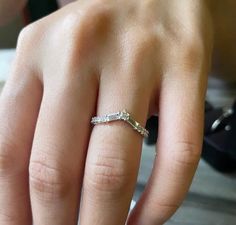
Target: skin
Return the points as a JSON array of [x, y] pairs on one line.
[[91, 58], [222, 15]]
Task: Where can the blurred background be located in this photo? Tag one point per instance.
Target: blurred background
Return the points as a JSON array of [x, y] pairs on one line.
[[212, 196]]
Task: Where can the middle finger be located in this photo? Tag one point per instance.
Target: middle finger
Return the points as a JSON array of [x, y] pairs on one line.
[[59, 148]]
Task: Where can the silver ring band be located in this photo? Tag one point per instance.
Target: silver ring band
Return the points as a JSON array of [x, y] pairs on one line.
[[121, 115]]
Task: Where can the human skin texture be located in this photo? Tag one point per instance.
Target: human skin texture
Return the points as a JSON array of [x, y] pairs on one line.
[[91, 58], [223, 17]]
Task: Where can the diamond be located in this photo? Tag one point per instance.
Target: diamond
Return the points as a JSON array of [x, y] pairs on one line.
[[124, 115], [113, 117], [121, 115]]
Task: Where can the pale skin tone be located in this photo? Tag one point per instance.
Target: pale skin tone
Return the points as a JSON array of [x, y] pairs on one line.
[[91, 58]]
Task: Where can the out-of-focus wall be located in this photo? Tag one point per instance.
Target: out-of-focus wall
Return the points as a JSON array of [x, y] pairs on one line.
[[64, 2], [10, 32]]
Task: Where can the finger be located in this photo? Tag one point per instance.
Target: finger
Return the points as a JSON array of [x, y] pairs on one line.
[[113, 154], [179, 147], [19, 106], [59, 148]]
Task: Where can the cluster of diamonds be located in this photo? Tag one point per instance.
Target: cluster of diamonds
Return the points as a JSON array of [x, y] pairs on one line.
[[141, 130], [122, 115]]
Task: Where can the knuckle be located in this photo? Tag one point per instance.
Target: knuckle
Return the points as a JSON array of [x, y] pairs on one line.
[[166, 208], [146, 44], [99, 6], [187, 153], [83, 33], [107, 174], [102, 2], [27, 34], [69, 33], [193, 48], [140, 46], [95, 21], [191, 43], [24, 33], [48, 182], [9, 159], [6, 159], [189, 54], [165, 205], [28, 38], [70, 23], [8, 218]]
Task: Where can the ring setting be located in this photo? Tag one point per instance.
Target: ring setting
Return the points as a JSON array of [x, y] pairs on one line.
[[121, 115]]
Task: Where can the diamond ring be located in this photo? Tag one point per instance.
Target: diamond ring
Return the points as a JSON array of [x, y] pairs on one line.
[[121, 115]]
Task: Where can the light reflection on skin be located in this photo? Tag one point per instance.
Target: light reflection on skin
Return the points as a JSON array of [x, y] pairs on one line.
[[224, 20]]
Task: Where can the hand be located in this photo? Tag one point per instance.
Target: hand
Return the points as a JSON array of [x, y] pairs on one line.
[[92, 58]]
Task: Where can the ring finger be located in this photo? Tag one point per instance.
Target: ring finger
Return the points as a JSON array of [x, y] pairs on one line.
[[114, 153]]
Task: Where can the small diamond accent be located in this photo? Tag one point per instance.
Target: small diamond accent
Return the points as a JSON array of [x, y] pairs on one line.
[[122, 115]]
